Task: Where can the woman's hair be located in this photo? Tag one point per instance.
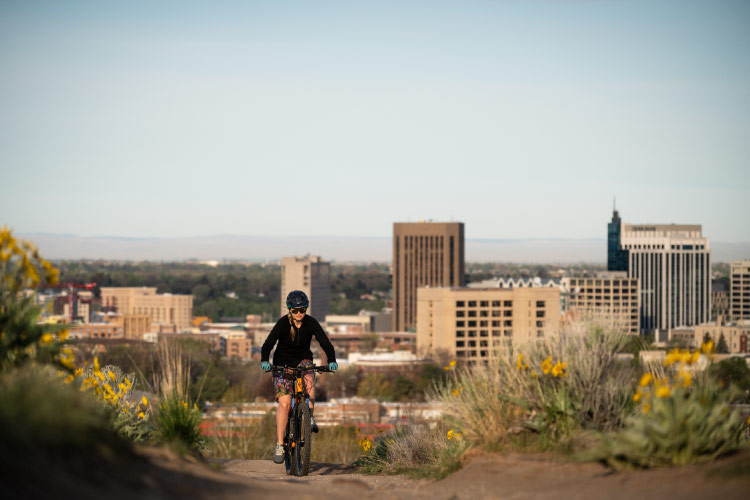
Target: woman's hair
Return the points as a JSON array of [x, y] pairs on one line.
[[292, 330]]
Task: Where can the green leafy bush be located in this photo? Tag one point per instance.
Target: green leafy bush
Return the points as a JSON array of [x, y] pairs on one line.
[[684, 416], [44, 422]]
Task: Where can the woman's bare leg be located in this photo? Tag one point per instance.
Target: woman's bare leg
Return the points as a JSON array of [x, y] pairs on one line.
[[310, 386], [282, 415]]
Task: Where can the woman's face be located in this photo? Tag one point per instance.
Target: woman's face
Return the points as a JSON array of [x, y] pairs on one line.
[[298, 313]]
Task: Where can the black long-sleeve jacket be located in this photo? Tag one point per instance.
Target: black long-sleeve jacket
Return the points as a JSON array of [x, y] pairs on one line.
[[291, 352]]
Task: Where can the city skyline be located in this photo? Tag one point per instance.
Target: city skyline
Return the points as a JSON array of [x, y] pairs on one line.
[[520, 119]]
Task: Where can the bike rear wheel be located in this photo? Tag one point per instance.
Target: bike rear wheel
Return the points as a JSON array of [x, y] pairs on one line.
[[303, 448]]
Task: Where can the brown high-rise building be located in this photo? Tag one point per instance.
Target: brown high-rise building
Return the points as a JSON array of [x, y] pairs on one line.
[[739, 291], [425, 254]]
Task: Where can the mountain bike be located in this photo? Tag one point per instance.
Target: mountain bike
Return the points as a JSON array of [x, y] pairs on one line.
[[297, 437]]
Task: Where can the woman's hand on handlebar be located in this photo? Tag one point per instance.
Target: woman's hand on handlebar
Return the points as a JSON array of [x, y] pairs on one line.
[[333, 366], [265, 366]]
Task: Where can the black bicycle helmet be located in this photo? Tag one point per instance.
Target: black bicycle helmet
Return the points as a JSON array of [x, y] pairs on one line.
[[297, 298]]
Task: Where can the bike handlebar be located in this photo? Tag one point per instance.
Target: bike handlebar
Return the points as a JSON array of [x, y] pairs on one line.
[[295, 369]]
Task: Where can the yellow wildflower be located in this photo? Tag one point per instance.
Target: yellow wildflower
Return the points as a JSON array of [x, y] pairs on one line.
[[78, 372], [144, 400], [450, 366], [687, 379], [533, 374], [122, 387], [707, 347], [365, 444], [69, 379], [694, 358], [663, 391], [128, 383], [559, 369], [63, 335], [184, 405], [99, 375], [46, 339], [141, 415], [646, 408], [547, 365], [674, 356], [646, 379], [519, 363], [458, 436], [637, 396], [456, 392], [450, 434], [96, 365], [111, 375]]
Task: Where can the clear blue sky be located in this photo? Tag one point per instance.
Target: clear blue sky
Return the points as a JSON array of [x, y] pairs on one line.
[[519, 118]]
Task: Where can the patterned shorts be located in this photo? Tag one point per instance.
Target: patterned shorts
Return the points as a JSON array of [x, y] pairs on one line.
[[285, 386]]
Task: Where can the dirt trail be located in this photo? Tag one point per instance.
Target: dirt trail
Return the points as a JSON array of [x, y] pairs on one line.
[[515, 476], [160, 474]]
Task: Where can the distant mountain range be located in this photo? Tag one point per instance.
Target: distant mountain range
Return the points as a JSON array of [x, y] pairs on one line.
[[332, 248]]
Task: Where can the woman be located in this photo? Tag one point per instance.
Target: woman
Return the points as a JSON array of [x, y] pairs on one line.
[[293, 333]]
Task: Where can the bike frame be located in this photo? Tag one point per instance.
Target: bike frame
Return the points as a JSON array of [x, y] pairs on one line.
[[297, 441]]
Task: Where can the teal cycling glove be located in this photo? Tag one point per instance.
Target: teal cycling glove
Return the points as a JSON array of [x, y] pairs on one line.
[[333, 366], [265, 366]]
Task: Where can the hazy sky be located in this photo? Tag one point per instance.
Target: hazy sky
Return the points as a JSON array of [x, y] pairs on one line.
[[520, 118]]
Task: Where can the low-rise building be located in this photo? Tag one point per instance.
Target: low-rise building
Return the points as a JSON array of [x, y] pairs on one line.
[[610, 296], [471, 323]]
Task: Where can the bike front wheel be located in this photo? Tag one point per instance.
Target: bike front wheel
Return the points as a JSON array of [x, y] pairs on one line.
[[303, 447], [289, 445]]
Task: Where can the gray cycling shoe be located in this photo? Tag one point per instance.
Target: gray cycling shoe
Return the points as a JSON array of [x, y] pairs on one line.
[[313, 424], [278, 454]]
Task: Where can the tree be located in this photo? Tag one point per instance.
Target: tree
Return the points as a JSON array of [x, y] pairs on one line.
[[722, 348]]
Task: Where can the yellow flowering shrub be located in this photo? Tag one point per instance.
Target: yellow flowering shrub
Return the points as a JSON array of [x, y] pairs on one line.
[[22, 337], [683, 417], [114, 389]]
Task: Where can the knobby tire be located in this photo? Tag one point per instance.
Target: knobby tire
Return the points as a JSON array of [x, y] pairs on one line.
[[289, 462], [304, 441]]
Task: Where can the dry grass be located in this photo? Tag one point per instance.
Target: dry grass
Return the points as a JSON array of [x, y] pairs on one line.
[[173, 376], [490, 402]]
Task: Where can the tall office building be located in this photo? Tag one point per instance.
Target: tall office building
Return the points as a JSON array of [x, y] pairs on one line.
[[739, 290], [673, 265], [425, 254], [312, 275]]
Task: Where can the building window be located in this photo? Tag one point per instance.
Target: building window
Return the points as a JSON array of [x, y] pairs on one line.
[[459, 323], [540, 303], [460, 303], [472, 303], [508, 303], [540, 314], [484, 303]]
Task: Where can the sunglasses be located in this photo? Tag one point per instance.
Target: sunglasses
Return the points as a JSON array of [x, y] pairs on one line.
[[296, 310]]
